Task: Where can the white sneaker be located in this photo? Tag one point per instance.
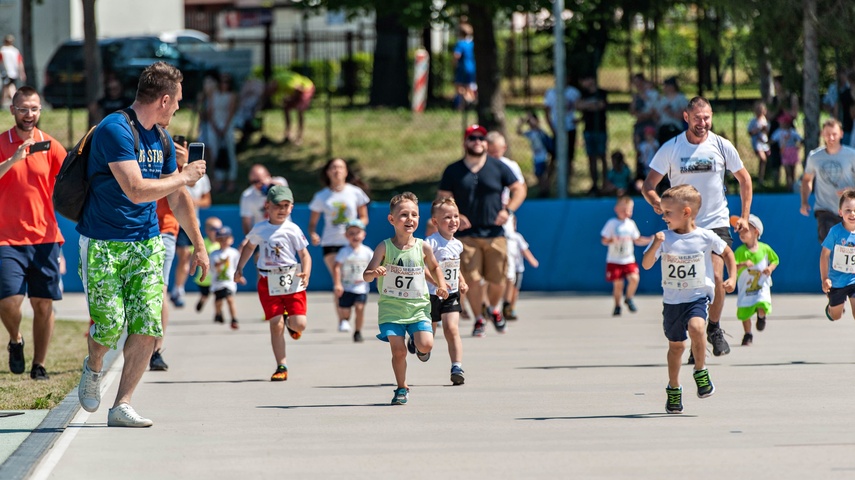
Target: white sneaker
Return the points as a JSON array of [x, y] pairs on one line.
[[344, 326], [125, 416], [89, 390]]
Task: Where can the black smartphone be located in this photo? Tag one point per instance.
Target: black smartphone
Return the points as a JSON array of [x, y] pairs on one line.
[[40, 146], [179, 139], [196, 151]]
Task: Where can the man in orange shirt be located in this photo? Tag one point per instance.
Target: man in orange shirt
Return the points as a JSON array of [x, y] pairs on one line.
[[31, 240]]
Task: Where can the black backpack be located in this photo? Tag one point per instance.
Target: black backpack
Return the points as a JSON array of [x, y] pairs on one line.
[[72, 183]]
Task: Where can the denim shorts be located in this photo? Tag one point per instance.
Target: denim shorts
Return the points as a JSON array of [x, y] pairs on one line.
[[675, 318], [30, 269], [401, 329]]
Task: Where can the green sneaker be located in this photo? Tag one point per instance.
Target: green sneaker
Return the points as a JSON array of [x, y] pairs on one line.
[[401, 395], [675, 399], [705, 385]]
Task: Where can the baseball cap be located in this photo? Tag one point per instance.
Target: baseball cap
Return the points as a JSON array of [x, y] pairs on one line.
[[475, 128], [279, 193], [355, 223], [753, 220], [224, 231]]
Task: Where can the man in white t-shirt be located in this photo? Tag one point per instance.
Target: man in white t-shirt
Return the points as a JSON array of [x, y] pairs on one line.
[[252, 199], [699, 157], [13, 65]]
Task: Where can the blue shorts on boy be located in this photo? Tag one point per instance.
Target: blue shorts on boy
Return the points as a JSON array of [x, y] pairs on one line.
[[841, 271], [687, 276], [404, 304]]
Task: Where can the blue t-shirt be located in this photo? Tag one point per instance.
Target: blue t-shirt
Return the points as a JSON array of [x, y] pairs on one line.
[[108, 213], [838, 235], [466, 64]]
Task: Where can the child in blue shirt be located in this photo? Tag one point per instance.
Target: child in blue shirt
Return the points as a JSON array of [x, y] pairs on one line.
[[837, 260]]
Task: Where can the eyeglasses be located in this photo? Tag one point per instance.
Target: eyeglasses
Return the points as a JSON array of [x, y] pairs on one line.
[[25, 110], [476, 138]]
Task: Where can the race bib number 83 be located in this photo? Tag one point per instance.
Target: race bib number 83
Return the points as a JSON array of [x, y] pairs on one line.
[[284, 281]]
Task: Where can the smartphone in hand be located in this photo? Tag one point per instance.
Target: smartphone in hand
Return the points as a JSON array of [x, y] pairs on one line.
[[179, 139], [196, 151], [40, 146]]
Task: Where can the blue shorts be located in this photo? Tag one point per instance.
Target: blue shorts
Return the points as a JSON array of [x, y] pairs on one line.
[[169, 244], [183, 240], [347, 299], [30, 269], [595, 143], [837, 296], [401, 329], [675, 318]]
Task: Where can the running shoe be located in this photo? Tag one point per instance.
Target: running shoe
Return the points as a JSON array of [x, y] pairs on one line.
[[357, 337], [479, 330], [675, 400], [691, 360], [411, 345], [294, 334], [705, 385], [747, 340], [124, 415], [485, 310], [630, 304], [761, 323], [616, 311], [89, 389], [199, 305], [423, 356], [506, 311], [344, 326], [219, 319], [235, 325], [456, 375], [401, 396], [16, 357], [280, 375], [156, 363], [38, 372], [177, 300], [512, 316], [498, 321], [719, 344]]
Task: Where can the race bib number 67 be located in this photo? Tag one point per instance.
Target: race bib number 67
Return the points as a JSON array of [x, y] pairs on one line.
[[683, 272], [404, 282]]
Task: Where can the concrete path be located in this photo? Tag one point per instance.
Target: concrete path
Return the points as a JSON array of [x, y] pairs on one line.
[[568, 392]]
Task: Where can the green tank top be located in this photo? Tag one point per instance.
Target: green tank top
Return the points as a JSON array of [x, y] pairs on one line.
[[403, 293]]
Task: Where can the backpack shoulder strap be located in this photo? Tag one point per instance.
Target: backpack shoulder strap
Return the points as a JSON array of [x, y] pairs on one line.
[[168, 149], [127, 113]]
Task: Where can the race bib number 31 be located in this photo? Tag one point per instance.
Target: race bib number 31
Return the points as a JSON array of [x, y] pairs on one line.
[[451, 272], [683, 272], [284, 281], [404, 282], [843, 259]]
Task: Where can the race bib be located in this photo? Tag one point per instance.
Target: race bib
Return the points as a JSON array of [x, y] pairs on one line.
[[451, 273], [843, 259], [683, 272], [620, 248], [284, 281], [351, 272], [404, 282]]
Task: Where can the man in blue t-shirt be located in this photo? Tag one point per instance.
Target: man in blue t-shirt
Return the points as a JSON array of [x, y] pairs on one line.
[[121, 252], [476, 182]]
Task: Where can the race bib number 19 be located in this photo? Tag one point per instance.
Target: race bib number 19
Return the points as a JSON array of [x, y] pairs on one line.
[[683, 272], [284, 281], [404, 282], [843, 259]]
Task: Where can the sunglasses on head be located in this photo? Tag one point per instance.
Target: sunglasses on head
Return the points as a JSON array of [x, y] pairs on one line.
[[476, 138]]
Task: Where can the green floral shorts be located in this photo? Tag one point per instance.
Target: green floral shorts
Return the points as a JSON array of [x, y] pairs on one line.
[[123, 282]]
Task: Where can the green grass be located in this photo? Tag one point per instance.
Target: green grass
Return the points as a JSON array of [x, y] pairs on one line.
[[64, 360], [395, 150]]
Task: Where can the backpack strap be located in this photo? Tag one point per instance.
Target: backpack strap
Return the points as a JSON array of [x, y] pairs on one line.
[[131, 117]]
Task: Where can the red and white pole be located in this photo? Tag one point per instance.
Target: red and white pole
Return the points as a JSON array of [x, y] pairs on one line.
[[420, 79]]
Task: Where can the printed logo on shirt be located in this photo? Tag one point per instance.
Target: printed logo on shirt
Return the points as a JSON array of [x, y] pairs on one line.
[[697, 165], [832, 172]]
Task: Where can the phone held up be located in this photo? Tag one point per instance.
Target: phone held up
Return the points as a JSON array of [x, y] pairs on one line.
[[40, 147], [195, 151], [179, 139]]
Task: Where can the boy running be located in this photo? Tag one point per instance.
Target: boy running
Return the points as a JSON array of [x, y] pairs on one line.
[[621, 235], [837, 260], [755, 262], [224, 262], [348, 285]]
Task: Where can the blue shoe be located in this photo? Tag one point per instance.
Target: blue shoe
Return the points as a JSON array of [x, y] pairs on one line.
[[456, 375], [401, 395], [630, 304]]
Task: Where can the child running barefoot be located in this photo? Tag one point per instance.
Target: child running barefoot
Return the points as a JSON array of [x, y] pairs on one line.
[[621, 235], [688, 284], [837, 260], [348, 285], [447, 249], [755, 262], [399, 266], [224, 262], [282, 281]]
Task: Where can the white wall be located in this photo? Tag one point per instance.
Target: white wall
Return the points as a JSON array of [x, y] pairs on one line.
[[130, 17]]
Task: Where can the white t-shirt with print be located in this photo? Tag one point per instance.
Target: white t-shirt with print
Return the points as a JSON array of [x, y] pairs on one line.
[[277, 244], [224, 263], [353, 264], [515, 167], [622, 251], [702, 166], [447, 253], [687, 271], [571, 96], [338, 208]]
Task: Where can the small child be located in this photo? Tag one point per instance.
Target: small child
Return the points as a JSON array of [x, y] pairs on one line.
[[518, 254], [688, 285], [224, 262], [837, 260], [541, 144], [621, 235], [618, 178], [446, 218], [758, 128], [755, 262], [348, 285], [399, 266], [282, 281], [212, 225], [789, 140]]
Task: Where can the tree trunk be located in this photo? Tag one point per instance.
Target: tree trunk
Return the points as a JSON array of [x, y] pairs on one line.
[[27, 43], [765, 69], [92, 57], [491, 104], [810, 94], [390, 83]]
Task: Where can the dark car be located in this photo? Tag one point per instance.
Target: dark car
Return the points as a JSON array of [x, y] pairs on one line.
[[124, 57]]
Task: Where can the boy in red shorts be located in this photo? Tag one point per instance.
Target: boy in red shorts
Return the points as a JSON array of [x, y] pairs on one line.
[[621, 235], [282, 281]]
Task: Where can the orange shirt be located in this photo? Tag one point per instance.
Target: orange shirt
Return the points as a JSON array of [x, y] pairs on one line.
[[27, 216], [165, 218]]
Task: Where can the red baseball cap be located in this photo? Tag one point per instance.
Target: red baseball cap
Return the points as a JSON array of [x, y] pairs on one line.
[[475, 128]]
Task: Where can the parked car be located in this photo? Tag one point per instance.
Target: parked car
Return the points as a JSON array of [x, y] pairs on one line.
[[124, 57]]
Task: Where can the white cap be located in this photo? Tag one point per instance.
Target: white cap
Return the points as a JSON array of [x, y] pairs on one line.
[[755, 221]]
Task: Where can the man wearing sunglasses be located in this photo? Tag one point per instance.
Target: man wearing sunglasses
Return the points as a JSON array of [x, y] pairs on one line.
[[31, 240], [476, 182]]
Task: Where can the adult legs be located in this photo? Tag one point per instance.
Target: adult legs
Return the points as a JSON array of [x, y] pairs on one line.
[[10, 313], [43, 322]]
